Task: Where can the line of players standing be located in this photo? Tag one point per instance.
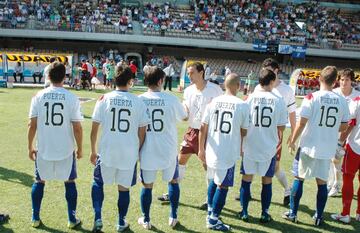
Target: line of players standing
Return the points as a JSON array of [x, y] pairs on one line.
[[221, 128]]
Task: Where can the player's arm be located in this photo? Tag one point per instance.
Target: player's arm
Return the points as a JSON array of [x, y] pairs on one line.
[[31, 135], [93, 141], [78, 134], [187, 111], [243, 133], [299, 128], [141, 135], [292, 120], [202, 138]]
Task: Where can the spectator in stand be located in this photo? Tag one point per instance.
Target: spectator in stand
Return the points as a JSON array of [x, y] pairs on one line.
[[18, 71], [37, 72]]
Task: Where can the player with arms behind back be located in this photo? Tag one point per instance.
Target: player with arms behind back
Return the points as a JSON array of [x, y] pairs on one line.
[[56, 119], [123, 119], [159, 152], [268, 117], [323, 114], [224, 124]]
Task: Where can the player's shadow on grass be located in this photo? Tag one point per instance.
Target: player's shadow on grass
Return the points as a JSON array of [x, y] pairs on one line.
[[77, 229], [3, 228], [16, 177]]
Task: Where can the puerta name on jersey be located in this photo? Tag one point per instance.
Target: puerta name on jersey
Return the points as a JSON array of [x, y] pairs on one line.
[[154, 102], [225, 105], [121, 102], [329, 101], [264, 101], [54, 96]]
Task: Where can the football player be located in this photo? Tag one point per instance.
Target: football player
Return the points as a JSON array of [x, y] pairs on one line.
[[346, 78], [285, 91], [224, 124], [351, 163], [123, 119], [55, 118], [323, 114], [268, 117], [196, 97], [159, 152]]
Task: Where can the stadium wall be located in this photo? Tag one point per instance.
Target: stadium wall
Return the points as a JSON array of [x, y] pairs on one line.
[[155, 40]]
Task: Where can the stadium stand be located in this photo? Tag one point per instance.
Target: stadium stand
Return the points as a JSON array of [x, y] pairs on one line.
[[244, 22]]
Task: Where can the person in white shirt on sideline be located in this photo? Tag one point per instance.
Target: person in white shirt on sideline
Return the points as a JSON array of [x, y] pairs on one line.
[[37, 72], [18, 71]]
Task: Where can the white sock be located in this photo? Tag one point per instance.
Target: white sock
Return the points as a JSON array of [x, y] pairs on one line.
[[281, 176], [182, 169]]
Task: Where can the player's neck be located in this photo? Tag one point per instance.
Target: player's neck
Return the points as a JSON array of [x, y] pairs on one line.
[[324, 87], [154, 89], [201, 84], [230, 92], [124, 89], [346, 91], [57, 84], [267, 88]]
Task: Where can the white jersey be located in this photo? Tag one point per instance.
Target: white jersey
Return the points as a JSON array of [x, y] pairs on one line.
[[196, 101], [353, 95], [267, 112], [120, 115], [354, 137], [160, 147], [286, 92], [325, 111], [225, 116], [55, 109]]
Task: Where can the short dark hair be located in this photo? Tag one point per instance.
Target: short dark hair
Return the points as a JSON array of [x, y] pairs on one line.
[[347, 72], [329, 75], [266, 76], [152, 76], [122, 75], [57, 72], [270, 62], [199, 67], [52, 59]]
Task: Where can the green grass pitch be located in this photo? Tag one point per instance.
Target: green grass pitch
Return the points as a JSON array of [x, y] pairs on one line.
[[16, 177]]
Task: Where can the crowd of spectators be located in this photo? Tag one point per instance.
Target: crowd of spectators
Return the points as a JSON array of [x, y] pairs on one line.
[[79, 16], [251, 19]]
